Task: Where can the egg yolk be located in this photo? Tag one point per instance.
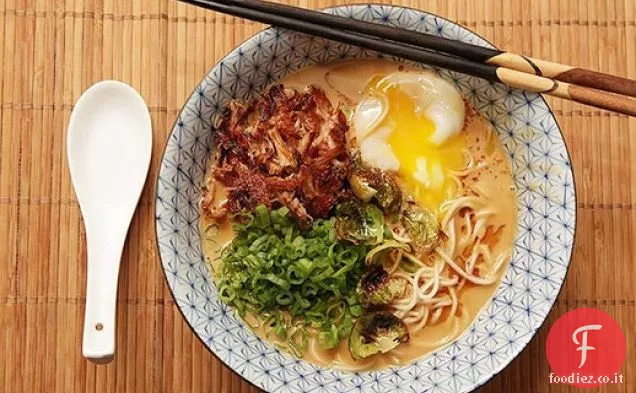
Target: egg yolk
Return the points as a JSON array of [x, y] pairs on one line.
[[424, 166]]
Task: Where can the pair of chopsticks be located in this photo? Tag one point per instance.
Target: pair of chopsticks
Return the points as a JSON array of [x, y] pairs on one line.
[[572, 83]]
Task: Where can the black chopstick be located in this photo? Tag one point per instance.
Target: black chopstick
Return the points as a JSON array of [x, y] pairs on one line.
[[424, 41], [304, 22], [407, 52], [476, 53]]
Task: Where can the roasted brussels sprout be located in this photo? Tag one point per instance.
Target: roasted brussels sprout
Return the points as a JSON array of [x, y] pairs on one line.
[[421, 227], [359, 223], [377, 288], [370, 183], [362, 186], [376, 333], [389, 196]]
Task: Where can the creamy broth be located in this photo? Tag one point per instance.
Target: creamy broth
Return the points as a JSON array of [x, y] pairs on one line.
[[344, 83]]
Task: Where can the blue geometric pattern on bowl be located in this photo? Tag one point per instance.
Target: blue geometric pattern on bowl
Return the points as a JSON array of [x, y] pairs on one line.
[[546, 200]]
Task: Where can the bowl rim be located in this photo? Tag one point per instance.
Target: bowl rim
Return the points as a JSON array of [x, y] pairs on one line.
[[326, 9]]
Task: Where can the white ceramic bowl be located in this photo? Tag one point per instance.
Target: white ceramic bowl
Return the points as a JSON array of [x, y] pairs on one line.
[[542, 173]]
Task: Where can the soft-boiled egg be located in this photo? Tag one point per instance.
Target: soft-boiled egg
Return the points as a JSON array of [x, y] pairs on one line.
[[411, 123]]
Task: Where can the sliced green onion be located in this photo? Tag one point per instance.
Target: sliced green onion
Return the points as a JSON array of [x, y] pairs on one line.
[[299, 279]]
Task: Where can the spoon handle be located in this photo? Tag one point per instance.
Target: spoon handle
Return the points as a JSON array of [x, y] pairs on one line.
[[104, 258]]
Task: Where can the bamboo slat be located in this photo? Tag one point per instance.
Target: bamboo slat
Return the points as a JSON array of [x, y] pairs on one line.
[[51, 51]]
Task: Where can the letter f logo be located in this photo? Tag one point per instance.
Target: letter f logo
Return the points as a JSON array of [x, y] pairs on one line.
[[583, 343]]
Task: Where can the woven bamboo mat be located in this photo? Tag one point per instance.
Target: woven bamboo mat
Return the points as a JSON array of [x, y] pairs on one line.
[[51, 50]]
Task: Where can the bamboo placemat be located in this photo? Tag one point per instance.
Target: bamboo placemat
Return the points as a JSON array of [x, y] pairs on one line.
[[51, 50]]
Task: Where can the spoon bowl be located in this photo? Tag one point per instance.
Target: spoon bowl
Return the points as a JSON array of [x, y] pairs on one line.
[[109, 145]]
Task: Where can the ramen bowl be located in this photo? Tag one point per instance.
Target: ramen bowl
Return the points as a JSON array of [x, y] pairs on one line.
[[545, 195]]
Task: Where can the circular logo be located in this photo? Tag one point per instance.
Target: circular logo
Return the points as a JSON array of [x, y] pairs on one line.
[[585, 348]]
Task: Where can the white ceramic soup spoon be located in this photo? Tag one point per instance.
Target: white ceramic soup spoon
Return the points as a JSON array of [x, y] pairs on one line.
[[109, 144]]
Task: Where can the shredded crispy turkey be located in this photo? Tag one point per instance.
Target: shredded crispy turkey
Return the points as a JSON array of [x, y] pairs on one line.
[[286, 148]]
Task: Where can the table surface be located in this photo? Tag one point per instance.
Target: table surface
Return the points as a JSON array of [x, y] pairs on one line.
[[52, 50]]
